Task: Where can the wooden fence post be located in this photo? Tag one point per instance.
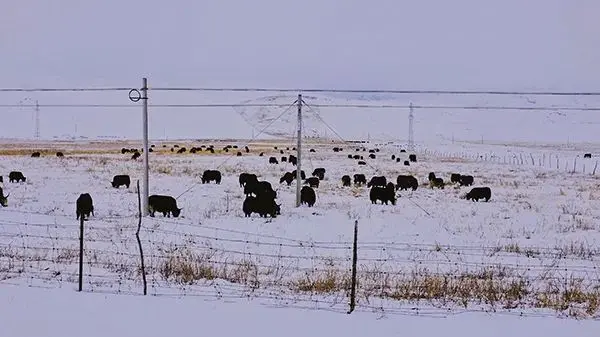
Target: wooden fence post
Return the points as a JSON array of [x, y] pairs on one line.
[[354, 262], [81, 252], [137, 235]]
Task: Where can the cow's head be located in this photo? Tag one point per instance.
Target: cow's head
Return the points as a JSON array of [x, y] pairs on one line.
[[4, 200], [176, 212]]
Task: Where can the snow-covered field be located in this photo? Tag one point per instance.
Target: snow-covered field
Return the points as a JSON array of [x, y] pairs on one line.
[[533, 249]]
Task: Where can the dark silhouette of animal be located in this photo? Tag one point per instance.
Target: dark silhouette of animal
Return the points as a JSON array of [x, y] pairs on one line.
[[260, 189], [275, 147], [36, 155], [393, 157], [406, 163], [164, 204], [211, 150], [312, 150], [437, 182], [211, 175], [85, 206], [193, 150], [283, 159], [371, 151], [273, 160], [60, 154], [380, 181], [477, 193], [302, 174], [121, 179], [454, 177], [360, 162], [235, 146], [239, 154], [246, 149], [336, 149], [181, 150], [319, 172], [431, 176], [398, 160], [293, 160], [135, 156], [246, 178], [360, 179], [3, 198], [312, 182], [465, 180], [262, 205], [404, 182], [372, 156], [16, 176], [346, 181], [280, 151], [1, 179], [288, 177], [261, 154], [150, 150], [412, 157], [124, 150], [308, 196], [356, 156], [175, 145], [587, 155], [349, 156], [384, 194], [402, 151]]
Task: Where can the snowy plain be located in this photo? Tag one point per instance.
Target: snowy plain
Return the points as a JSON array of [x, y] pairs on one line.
[[530, 251]]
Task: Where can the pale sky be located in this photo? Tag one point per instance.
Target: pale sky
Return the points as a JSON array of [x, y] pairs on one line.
[[343, 44]]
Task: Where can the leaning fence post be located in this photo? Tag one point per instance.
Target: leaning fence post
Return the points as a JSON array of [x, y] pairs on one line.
[[354, 261], [595, 166], [137, 235], [81, 253]]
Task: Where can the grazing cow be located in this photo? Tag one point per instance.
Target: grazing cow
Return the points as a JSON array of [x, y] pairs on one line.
[[181, 150], [260, 189], [246, 149], [60, 154], [235, 146], [312, 150], [336, 149], [477, 193], [16, 176], [319, 172], [293, 160], [465, 180], [360, 162], [385, 194], [371, 151], [280, 151], [431, 176], [135, 156], [172, 150], [247, 178], [406, 163], [346, 181], [377, 181], [175, 146], [35, 155], [372, 156], [356, 156], [393, 157], [360, 179], [288, 177], [273, 160], [402, 151], [275, 147], [124, 150], [349, 156], [587, 155], [150, 150], [412, 157], [404, 182], [398, 160], [308, 196], [454, 177], [211, 150], [193, 150], [164, 204], [261, 154], [302, 174], [121, 179], [262, 205], [312, 182], [437, 182], [85, 206], [211, 175], [3, 198], [283, 159], [239, 154]]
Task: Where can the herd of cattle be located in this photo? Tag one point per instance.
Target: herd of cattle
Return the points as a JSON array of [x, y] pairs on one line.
[[260, 197]]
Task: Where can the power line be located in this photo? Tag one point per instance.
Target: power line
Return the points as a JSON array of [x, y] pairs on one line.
[[62, 89]]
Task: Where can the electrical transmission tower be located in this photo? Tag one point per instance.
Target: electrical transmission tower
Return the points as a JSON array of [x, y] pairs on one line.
[[411, 135]]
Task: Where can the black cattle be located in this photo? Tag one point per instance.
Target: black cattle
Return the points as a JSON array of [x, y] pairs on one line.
[[175, 145], [261, 205], [356, 156], [247, 178], [454, 177], [193, 150], [246, 149], [319, 172], [404, 182], [121, 179], [211, 175], [261, 154], [172, 150], [371, 151], [181, 150], [406, 163], [288, 177], [393, 157], [1, 179], [273, 160], [261, 189], [60, 154], [384, 194], [36, 155], [336, 149], [372, 156], [235, 146], [280, 151], [360, 179], [412, 157], [346, 181], [293, 160], [239, 154], [312, 150], [377, 181], [164, 145], [398, 160], [283, 159], [275, 147], [587, 155], [85, 206], [152, 145], [403, 151], [349, 156], [211, 150], [308, 196], [150, 150], [3, 198], [465, 180], [437, 182], [302, 174], [312, 182], [135, 156], [360, 162], [16, 176], [477, 193], [164, 204], [431, 176], [124, 150]]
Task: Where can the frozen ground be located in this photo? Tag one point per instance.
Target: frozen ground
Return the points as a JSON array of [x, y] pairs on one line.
[[533, 245]]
